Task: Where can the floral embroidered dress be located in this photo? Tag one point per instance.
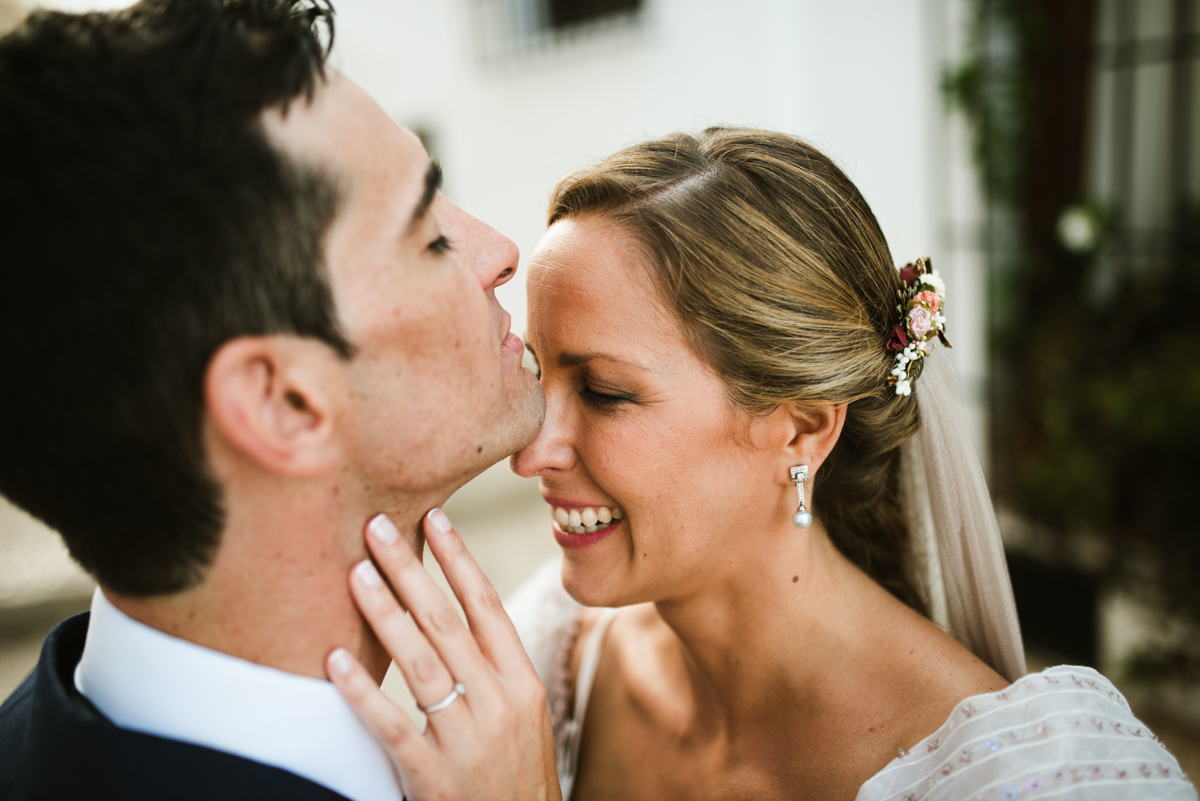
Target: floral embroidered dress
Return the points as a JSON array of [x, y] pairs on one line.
[[1064, 733]]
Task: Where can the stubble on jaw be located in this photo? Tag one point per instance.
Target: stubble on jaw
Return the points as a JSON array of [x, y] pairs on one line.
[[533, 413]]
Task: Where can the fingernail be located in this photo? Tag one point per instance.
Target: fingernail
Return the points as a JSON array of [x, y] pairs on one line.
[[383, 529], [367, 574], [340, 662], [439, 521]]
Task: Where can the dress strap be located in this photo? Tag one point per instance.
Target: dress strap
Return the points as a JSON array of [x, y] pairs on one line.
[[583, 690]]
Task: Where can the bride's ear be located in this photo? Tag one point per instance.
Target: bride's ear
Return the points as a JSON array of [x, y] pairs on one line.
[[805, 435], [268, 399]]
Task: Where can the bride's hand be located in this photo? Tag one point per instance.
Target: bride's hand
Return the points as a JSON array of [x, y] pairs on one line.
[[492, 742]]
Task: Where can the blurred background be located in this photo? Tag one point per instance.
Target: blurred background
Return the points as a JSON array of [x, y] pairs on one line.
[[1045, 154]]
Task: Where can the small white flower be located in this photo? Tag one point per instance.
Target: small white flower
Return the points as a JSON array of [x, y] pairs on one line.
[[934, 282]]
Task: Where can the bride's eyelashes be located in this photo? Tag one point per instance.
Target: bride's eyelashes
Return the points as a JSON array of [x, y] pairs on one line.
[[441, 245], [594, 398]]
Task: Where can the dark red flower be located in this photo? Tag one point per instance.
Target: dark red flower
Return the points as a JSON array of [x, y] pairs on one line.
[[909, 275], [898, 341]]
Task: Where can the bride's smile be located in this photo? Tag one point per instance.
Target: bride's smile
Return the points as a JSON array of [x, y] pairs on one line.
[[637, 424]]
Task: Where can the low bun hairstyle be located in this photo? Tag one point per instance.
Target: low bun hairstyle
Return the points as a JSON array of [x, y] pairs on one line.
[[783, 283]]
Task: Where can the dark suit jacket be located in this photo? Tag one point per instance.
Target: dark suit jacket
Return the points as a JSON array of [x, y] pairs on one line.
[[55, 745]]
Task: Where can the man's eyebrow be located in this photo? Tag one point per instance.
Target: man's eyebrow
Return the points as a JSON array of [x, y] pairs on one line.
[[433, 182], [576, 359]]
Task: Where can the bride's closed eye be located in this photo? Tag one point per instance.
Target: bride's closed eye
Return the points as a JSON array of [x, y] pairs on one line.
[[594, 397]]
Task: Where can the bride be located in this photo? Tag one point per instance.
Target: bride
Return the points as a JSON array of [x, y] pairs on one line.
[[781, 573]]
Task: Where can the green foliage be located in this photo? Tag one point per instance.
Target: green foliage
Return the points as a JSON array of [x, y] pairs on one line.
[[1097, 363], [992, 95]]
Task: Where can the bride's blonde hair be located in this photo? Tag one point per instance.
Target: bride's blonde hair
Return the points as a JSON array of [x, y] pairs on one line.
[[782, 281]]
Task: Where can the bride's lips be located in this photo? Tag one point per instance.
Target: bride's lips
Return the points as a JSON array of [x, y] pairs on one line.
[[577, 524], [568, 540]]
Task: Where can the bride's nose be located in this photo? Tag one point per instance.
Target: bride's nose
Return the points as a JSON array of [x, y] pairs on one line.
[[552, 451]]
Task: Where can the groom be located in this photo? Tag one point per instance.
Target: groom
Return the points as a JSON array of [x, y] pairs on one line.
[[237, 319]]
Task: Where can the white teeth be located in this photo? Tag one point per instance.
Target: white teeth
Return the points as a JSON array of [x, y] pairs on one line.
[[587, 520]]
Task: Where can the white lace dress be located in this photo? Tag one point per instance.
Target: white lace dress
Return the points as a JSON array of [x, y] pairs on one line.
[[1064, 733]]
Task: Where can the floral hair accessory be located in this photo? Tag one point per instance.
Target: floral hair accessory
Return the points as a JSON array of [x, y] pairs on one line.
[[921, 306]]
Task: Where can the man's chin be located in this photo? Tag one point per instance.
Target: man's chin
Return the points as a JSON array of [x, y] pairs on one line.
[[528, 416], [512, 432]]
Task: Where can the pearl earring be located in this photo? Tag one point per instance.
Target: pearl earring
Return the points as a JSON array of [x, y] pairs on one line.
[[801, 518]]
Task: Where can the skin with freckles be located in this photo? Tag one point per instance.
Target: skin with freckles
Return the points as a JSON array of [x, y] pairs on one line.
[[308, 446], [754, 660]]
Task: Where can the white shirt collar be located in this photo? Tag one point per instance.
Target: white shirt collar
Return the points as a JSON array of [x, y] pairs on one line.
[[148, 681]]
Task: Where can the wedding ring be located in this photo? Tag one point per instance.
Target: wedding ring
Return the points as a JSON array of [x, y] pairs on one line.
[[459, 689]]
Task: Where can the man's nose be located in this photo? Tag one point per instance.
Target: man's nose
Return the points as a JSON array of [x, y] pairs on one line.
[[498, 256]]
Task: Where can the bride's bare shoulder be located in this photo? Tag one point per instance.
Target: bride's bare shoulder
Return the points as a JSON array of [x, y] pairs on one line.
[[933, 672]]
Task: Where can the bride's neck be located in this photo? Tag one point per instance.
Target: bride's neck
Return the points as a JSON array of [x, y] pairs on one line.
[[789, 622]]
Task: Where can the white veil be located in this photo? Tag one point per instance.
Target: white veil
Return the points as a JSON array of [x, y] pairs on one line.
[[959, 561]]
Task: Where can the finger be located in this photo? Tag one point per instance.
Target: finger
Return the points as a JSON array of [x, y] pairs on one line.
[[428, 678], [430, 608], [493, 629], [388, 722]]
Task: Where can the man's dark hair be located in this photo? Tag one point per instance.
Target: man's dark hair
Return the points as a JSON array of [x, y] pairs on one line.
[[145, 220]]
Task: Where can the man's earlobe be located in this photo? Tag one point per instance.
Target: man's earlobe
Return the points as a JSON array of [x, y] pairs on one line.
[[268, 400]]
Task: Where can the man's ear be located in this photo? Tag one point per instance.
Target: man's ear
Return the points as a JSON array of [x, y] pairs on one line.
[[269, 399], [803, 435]]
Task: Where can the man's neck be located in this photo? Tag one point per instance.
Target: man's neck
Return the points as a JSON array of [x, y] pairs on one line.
[[277, 592]]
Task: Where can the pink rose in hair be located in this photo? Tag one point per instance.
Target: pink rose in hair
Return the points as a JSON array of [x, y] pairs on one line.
[[930, 299], [920, 320]]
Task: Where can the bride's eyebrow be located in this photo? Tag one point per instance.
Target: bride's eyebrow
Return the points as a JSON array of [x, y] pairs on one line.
[[576, 359]]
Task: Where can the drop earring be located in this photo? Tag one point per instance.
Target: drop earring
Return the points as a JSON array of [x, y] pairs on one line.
[[801, 518]]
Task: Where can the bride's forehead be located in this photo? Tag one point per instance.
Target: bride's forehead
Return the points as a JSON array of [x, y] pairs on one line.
[[637, 333], [595, 272], [594, 241]]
